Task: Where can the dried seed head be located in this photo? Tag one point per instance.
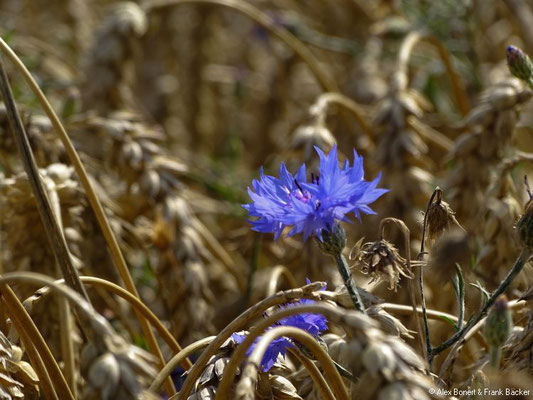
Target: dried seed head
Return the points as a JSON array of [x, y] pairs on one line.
[[381, 260], [440, 217], [519, 64], [499, 323]]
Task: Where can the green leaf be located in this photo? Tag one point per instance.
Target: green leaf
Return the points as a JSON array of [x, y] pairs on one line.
[[450, 321]]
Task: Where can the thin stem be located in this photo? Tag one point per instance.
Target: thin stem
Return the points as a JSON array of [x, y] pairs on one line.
[[264, 20], [411, 285], [249, 374], [448, 362], [342, 266], [178, 359], [49, 220], [429, 348], [522, 259], [239, 323], [94, 201], [459, 286]]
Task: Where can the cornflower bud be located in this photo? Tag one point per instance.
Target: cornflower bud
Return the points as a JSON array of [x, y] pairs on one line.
[[498, 329], [520, 64]]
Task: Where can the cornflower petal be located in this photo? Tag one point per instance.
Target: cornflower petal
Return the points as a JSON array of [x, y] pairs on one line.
[[311, 207]]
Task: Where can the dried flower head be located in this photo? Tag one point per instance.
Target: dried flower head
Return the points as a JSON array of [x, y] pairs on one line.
[[381, 260], [440, 217], [311, 208]]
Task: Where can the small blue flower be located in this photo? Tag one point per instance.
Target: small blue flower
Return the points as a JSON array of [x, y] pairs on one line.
[[314, 324], [311, 207]]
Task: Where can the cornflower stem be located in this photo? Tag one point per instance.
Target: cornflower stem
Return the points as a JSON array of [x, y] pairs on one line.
[[522, 259], [342, 266]]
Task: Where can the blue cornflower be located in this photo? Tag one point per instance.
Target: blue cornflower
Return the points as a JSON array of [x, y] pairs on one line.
[[312, 207], [314, 324]]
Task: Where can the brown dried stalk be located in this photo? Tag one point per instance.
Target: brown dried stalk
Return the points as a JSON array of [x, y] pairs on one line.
[[50, 222]]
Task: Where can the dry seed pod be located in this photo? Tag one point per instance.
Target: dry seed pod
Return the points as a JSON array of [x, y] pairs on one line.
[[440, 217], [381, 260]]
